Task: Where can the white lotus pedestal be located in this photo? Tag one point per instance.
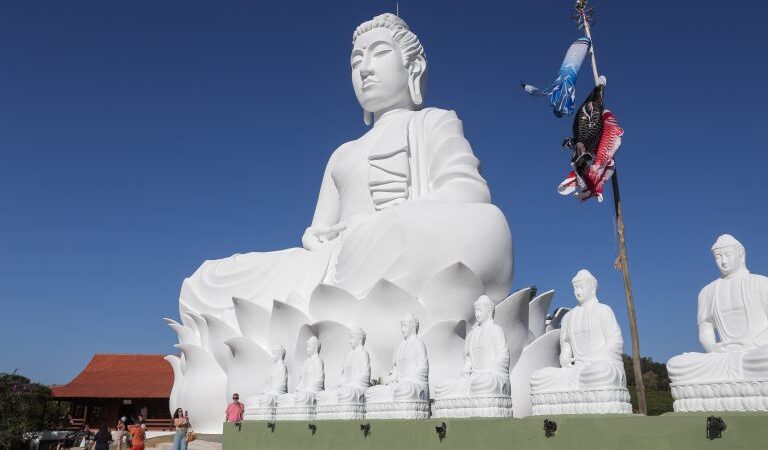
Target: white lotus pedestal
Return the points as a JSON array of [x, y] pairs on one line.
[[397, 410], [259, 413], [295, 412], [450, 408], [351, 411], [748, 395], [613, 400]]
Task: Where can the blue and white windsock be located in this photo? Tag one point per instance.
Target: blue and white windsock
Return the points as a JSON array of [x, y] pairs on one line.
[[563, 91]]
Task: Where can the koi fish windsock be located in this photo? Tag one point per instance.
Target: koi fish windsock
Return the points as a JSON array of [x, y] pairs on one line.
[[563, 91]]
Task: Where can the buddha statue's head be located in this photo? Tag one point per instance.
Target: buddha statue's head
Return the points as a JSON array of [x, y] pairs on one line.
[[409, 325], [357, 337], [584, 286], [485, 309], [313, 346], [729, 254], [389, 68], [278, 353]]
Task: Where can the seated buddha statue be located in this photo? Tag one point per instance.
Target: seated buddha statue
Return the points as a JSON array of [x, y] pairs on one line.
[[590, 360], [486, 359], [355, 375], [401, 202], [732, 374], [312, 378], [261, 406]]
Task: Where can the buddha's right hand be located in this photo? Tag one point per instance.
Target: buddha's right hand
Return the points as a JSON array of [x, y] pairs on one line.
[[316, 236]]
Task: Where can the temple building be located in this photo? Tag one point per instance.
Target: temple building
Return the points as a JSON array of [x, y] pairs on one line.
[[113, 386]]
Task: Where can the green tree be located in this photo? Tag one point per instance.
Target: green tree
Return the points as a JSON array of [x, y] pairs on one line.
[[22, 404]]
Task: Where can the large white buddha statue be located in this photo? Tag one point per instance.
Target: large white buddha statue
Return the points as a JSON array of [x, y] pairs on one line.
[[347, 399], [733, 373], [486, 370], [401, 202], [262, 405], [591, 376], [312, 381], [405, 395]]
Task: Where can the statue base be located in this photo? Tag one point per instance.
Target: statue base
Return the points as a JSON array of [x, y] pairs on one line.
[[335, 412], [450, 408], [295, 413], [745, 395], [397, 410], [259, 413], [593, 401]]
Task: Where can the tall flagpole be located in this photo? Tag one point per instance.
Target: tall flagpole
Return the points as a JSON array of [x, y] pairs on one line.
[[584, 11]]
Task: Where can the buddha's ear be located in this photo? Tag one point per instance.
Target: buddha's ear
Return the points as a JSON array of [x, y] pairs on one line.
[[417, 77]]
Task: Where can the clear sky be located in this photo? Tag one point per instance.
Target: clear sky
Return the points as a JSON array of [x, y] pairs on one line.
[[140, 138]]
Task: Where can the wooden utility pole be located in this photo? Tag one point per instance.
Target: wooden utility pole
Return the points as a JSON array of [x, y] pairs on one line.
[[584, 12]]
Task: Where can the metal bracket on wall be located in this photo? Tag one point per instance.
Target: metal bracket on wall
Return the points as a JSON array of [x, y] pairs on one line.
[[715, 427]]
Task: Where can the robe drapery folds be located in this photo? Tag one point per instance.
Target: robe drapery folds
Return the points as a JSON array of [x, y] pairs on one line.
[[409, 379], [429, 208], [277, 384], [591, 346], [744, 321], [312, 381], [355, 380]]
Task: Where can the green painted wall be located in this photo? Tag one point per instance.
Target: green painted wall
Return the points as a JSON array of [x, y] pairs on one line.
[[669, 431]]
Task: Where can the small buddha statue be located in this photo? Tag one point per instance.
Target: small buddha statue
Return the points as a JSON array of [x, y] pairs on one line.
[[409, 378], [277, 380], [355, 375], [486, 359], [312, 378], [734, 308], [590, 359]]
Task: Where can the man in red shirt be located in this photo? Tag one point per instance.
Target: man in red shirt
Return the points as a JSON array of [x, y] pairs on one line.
[[235, 410]]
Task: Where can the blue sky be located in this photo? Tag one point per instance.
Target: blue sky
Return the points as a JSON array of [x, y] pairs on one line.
[[138, 139]]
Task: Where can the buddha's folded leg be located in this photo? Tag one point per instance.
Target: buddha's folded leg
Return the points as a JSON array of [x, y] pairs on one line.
[[266, 400], [555, 379], [488, 384], [601, 374], [350, 394], [705, 367], [453, 388], [379, 394], [755, 364], [327, 397], [407, 391], [409, 243]]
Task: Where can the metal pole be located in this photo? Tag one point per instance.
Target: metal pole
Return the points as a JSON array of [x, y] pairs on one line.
[[624, 265]]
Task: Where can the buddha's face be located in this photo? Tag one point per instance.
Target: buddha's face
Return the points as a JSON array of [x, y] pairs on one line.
[[311, 347], [407, 328], [728, 259], [379, 77], [277, 354], [584, 290], [482, 312], [355, 339]]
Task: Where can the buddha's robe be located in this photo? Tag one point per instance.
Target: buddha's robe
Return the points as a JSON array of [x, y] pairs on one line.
[[409, 379], [277, 384], [312, 381], [486, 365], [590, 352], [737, 309], [355, 380], [413, 202]]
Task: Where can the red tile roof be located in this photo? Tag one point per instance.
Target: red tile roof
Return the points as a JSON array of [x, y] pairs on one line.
[[121, 376]]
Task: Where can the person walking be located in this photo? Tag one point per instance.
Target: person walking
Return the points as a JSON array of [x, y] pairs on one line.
[[120, 433], [138, 436], [234, 412], [102, 438], [181, 423]]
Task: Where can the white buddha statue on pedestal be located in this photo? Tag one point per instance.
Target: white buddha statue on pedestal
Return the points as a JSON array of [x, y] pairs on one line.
[[483, 390], [591, 378], [299, 405], [733, 373], [262, 406], [347, 400], [406, 392], [400, 203]]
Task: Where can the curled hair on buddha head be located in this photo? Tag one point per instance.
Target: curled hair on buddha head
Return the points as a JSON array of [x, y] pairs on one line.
[[726, 240], [585, 276], [409, 43]]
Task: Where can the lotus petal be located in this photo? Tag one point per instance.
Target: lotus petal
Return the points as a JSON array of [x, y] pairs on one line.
[[185, 334], [512, 316], [445, 350], [285, 325], [253, 319], [537, 314], [334, 346], [178, 380], [543, 352], [379, 315], [557, 318], [204, 389], [332, 303], [297, 301], [218, 333], [248, 370], [451, 293], [202, 329]]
